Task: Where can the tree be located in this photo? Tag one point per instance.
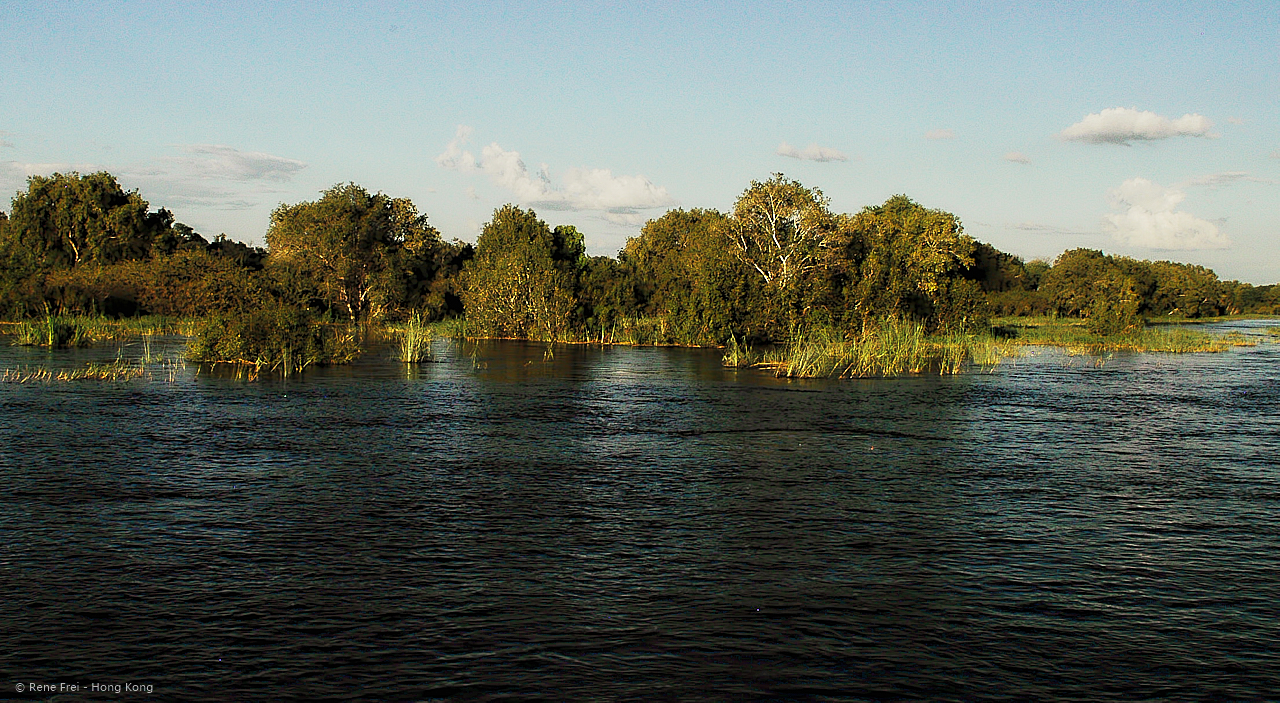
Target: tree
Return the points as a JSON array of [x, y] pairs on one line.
[[522, 281], [66, 220], [683, 273], [777, 228], [1070, 283], [354, 244], [904, 260]]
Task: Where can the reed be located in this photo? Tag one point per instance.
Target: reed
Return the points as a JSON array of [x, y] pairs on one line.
[[891, 348], [450, 328], [415, 341], [60, 331], [740, 355], [151, 366]]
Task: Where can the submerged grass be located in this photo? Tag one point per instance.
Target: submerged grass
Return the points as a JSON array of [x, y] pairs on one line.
[[149, 365]]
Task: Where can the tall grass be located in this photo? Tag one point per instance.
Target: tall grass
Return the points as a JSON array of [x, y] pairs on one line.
[[59, 331], [415, 340], [892, 348], [450, 328], [740, 355]]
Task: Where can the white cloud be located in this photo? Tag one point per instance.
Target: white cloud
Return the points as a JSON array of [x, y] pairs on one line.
[[212, 176], [628, 219], [1121, 125], [1043, 228], [1235, 120], [1017, 157], [216, 162], [454, 158], [471, 193], [940, 134], [1147, 218], [813, 152], [581, 188], [1216, 180]]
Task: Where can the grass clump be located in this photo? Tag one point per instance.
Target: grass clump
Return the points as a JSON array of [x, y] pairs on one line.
[[891, 348], [415, 340], [54, 331], [740, 355], [278, 338]]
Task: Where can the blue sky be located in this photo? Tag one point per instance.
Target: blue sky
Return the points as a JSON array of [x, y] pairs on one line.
[[1145, 129]]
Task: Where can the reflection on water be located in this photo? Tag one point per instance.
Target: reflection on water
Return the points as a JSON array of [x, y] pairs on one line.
[[517, 522]]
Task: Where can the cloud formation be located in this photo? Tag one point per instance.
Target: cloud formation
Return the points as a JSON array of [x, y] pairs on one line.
[[813, 152], [580, 189], [217, 162], [940, 134], [1147, 217], [1045, 229], [1017, 157], [1217, 180], [1122, 125]]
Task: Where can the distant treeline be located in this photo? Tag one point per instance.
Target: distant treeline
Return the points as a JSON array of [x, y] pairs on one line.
[[778, 262]]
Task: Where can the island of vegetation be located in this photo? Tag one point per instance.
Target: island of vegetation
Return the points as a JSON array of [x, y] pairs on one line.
[[780, 282]]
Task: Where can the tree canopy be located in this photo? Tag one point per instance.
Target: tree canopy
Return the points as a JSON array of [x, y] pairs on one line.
[[523, 280], [355, 245], [66, 220]]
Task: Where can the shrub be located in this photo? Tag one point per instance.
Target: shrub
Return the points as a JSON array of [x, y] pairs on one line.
[[279, 337]]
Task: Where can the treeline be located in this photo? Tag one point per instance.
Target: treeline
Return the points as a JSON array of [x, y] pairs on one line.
[[82, 245], [778, 262], [1115, 292]]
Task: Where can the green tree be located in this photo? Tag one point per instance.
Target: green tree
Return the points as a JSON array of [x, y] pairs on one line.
[[1069, 284], [1114, 303], [1185, 290], [682, 272], [778, 227], [903, 260], [66, 220], [353, 244], [522, 281]]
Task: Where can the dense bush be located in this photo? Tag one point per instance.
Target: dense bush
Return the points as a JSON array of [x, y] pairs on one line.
[[280, 337], [523, 279]]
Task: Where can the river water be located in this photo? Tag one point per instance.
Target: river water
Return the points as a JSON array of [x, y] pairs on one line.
[[513, 522]]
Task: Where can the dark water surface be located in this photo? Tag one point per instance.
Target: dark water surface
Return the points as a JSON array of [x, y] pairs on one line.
[[640, 523]]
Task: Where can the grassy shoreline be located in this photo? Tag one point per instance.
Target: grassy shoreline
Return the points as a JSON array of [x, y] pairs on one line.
[[891, 348], [1075, 337]]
